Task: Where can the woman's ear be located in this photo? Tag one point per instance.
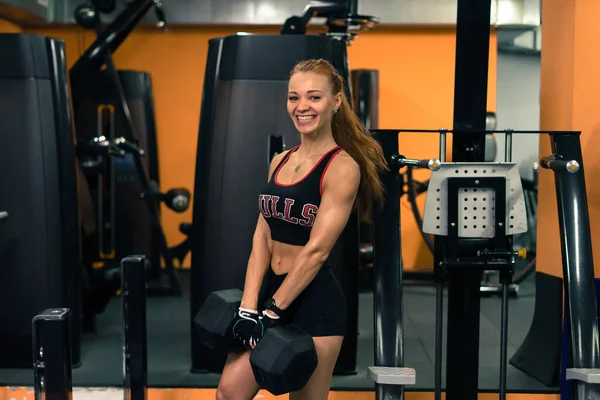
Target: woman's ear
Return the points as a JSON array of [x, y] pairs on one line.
[[338, 101]]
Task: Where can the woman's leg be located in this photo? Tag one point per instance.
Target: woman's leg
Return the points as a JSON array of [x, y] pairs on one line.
[[317, 387], [237, 380]]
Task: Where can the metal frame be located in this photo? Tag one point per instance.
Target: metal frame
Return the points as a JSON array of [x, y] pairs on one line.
[[52, 365], [566, 162], [133, 320]]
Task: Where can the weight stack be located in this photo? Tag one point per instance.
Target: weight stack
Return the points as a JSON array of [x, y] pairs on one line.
[[243, 124], [39, 233]]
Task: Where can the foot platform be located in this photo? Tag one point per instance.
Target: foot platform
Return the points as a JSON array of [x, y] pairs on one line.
[[393, 375], [586, 375]]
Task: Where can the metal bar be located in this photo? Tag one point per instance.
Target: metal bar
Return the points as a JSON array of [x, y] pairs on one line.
[[508, 146], [577, 256], [110, 39], [442, 145], [387, 275], [475, 131], [439, 337], [504, 334], [133, 319], [470, 111], [52, 364]]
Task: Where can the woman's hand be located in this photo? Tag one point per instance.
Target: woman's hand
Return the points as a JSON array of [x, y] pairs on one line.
[[244, 324], [267, 320]]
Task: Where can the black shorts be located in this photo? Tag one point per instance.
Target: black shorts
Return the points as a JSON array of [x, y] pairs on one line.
[[320, 310]]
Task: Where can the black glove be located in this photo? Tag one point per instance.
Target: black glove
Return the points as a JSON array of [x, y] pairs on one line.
[[243, 325], [265, 322]]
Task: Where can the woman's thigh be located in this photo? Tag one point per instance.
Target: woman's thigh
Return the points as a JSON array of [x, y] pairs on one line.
[[237, 380], [321, 309], [317, 388]]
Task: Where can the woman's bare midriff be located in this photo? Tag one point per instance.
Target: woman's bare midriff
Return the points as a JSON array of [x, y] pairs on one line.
[[283, 256]]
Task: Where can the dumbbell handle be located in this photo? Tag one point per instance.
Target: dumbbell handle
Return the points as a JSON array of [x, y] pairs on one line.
[[3, 215], [400, 161], [550, 162]]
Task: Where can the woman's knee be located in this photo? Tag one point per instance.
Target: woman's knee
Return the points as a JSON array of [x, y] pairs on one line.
[[235, 391], [237, 380], [226, 392]]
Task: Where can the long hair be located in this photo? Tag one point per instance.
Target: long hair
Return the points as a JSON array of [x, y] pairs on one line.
[[350, 133]]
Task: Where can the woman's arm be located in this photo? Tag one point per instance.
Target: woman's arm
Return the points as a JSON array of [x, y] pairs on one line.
[[340, 188], [258, 263], [260, 256]]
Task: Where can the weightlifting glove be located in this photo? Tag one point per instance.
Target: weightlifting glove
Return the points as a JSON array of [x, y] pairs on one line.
[[243, 325], [265, 321]]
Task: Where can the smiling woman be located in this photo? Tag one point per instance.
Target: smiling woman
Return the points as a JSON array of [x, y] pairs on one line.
[[311, 192]]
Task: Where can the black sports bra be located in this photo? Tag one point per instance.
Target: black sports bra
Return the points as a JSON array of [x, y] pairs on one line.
[[291, 209]]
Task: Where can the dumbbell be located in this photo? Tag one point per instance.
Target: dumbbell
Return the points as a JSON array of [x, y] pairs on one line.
[[214, 321], [283, 360]]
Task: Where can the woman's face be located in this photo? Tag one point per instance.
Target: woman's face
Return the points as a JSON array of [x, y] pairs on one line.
[[310, 102]]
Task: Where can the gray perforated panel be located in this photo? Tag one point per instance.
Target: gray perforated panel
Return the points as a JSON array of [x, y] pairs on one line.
[[476, 204]]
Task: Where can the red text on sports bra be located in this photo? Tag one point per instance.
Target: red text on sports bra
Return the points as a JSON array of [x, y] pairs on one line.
[[268, 208]]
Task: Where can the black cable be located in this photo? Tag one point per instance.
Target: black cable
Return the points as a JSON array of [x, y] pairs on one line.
[[521, 276]]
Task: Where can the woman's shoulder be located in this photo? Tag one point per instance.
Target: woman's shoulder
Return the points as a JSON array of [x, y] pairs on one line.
[[343, 166]]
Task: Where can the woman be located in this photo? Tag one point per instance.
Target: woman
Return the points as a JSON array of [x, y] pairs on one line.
[[311, 191]]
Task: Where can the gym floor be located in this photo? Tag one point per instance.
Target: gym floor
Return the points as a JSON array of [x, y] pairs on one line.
[[169, 346]]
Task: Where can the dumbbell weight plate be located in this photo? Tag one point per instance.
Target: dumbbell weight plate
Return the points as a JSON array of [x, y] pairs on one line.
[[284, 360], [213, 321]]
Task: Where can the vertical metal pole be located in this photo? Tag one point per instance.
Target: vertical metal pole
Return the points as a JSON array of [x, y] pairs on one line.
[[52, 364], [505, 280], [387, 273], [468, 144], [439, 336], [133, 319], [508, 145], [577, 256], [442, 145]]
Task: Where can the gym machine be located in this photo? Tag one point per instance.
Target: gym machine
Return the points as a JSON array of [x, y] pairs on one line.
[[52, 367], [474, 209], [241, 68], [116, 143], [39, 222]]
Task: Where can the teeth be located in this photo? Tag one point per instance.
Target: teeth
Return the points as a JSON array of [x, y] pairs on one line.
[[305, 118]]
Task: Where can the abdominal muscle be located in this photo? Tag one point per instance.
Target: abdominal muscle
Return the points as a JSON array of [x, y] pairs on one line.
[[283, 256]]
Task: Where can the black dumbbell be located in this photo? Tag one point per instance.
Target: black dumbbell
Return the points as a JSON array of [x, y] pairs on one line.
[[282, 362], [213, 321], [284, 359]]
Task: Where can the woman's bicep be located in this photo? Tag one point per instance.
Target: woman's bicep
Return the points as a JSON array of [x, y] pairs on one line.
[[340, 189]]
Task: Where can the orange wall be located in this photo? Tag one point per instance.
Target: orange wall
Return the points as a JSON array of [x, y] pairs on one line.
[[568, 101], [416, 91]]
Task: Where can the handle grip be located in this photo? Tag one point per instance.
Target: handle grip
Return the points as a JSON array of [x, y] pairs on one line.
[[551, 162], [432, 164]]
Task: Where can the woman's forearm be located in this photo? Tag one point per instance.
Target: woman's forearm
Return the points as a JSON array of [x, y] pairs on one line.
[[258, 263], [306, 266]]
